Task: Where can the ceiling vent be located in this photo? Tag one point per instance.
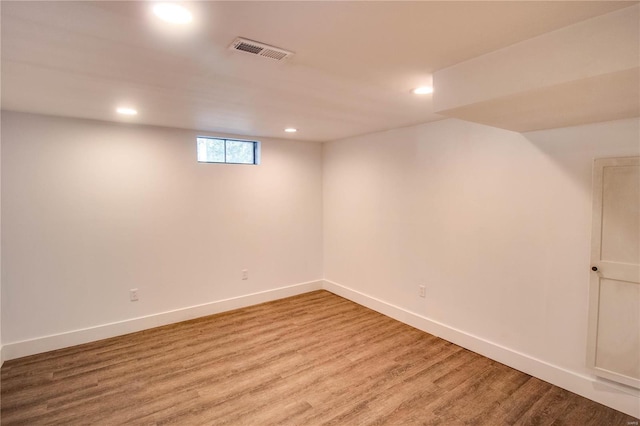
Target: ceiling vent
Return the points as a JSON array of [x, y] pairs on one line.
[[260, 49]]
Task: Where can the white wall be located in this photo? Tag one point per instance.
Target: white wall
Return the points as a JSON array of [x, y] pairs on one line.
[[1, 353], [495, 224], [92, 209]]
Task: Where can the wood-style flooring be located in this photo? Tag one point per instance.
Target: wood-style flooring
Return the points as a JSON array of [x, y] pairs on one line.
[[312, 359]]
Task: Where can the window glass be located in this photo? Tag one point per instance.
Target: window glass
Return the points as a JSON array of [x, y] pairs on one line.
[[240, 152], [215, 150], [211, 150]]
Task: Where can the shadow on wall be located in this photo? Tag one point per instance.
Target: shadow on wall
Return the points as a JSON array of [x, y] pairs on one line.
[[573, 149]]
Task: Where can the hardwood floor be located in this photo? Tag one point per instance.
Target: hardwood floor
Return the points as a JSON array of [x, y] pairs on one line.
[[307, 360]]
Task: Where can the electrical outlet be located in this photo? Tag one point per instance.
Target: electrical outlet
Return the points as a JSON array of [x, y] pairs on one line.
[[422, 291], [133, 295], [245, 274]]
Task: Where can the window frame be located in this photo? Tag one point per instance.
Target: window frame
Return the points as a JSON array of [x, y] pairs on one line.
[[256, 150]]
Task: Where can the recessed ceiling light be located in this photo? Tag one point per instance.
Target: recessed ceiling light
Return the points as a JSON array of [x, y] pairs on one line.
[[172, 13], [126, 111], [290, 130], [423, 90]]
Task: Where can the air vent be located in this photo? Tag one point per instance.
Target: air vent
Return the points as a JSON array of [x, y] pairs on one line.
[[260, 49]]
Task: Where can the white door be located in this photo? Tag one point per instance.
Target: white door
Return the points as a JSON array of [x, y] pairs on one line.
[[614, 292]]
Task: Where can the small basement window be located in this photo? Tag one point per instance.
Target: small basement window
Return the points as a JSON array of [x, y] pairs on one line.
[[229, 151]]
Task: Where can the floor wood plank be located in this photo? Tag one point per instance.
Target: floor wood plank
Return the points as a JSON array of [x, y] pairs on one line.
[[313, 359]]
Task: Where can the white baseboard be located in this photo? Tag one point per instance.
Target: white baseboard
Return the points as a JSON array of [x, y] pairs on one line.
[[76, 337], [618, 397]]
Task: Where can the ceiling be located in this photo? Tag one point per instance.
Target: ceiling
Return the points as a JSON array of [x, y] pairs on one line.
[[354, 66]]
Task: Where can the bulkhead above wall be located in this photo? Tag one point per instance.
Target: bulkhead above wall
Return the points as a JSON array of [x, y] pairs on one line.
[[584, 73]]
